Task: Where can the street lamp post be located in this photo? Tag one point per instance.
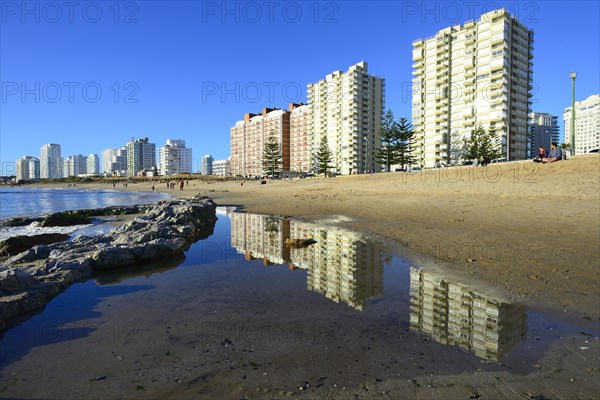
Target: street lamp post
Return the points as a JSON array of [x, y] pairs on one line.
[[573, 75]]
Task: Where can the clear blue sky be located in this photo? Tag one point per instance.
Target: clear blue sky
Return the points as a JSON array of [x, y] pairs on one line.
[[162, 66]]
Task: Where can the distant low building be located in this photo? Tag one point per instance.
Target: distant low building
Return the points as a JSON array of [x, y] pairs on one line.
[[28, 169]]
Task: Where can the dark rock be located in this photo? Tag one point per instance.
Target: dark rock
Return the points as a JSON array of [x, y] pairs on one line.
[[15, 280], [65, 219], [19, 244], [20, 221], [163, 233]]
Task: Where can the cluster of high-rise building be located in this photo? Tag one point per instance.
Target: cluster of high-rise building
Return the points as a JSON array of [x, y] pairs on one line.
[[137, 157], [341, 265], [345, 108], [464, 77]]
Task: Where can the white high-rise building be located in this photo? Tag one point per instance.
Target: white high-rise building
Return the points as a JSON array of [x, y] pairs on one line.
[[51, 161], [207, 165], [141, 155], [28, 169], [347, 108], [75, 165], [174, 158], [92, 165], [107, 158], [477, 74], [587, 124], [221, 167]]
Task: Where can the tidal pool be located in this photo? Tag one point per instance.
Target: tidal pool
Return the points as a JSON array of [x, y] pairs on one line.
[[246, 315]]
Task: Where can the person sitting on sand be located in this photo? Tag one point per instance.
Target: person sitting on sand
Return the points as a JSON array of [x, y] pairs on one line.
[[555, 154], [543, 153]]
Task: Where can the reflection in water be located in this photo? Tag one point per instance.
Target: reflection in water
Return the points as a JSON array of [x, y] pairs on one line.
[[341, 265], [456, 315]]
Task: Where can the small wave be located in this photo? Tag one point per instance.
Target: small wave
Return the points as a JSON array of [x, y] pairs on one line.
[[30, 230]]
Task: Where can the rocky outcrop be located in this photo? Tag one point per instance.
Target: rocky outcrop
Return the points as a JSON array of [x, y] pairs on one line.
[[74, 215], [31, 278], [18, 244]]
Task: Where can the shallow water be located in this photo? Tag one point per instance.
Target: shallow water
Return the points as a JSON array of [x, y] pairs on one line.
[[243, 308], [23, 201]]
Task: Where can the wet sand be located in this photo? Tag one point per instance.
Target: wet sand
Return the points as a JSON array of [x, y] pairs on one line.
[[531, 229]]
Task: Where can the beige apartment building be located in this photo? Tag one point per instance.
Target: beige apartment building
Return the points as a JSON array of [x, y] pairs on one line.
[[346, 108], [587, 124], [300, 138], [248, 137], [465, 76]]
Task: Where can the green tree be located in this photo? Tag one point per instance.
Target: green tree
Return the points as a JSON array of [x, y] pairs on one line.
[[565, 148], [388, 153], [483, 145], [272, 156], [458, 144], [406, 141], [323, 156]]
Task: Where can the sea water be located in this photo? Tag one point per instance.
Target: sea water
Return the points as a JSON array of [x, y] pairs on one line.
[[19, 201]]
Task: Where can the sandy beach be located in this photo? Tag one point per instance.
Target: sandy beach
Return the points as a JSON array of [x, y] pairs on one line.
[[532, 230]]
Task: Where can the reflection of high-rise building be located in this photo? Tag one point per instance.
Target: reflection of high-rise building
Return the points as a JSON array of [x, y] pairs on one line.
[[341, 265], [456, 315]]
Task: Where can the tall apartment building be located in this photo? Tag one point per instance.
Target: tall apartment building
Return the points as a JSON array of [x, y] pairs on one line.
[[248, 137], [114, 161], [300, 138], [107, 158], [75, 165], [174, 158], [51, 161], [346, 108], [477, 74], [93, 164], [28, 169], [221, 167], [141, 155], [207, 165], [543, 130], [587, 124]]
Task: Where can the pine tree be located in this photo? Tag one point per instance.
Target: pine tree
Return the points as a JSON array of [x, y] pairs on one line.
[[483, 145], [323, 156], [406, 135], [388, 153], [272, 156]]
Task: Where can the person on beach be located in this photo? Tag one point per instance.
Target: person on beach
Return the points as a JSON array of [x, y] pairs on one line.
[[181, 185], [542, 153], [556, 154], [153, 188]]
